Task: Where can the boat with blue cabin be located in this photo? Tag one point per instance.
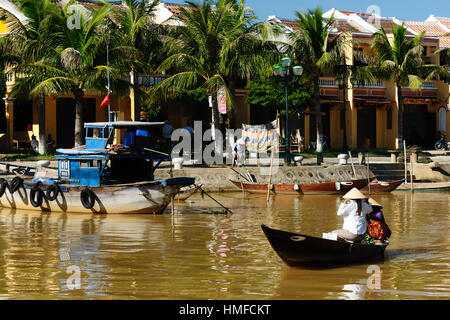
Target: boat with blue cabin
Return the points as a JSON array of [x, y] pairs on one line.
[[98, 177]]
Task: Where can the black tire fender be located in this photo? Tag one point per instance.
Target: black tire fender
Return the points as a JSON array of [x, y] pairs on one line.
[[36, 196], [3, 185], [15, 184], [87, 197], [52, 192]]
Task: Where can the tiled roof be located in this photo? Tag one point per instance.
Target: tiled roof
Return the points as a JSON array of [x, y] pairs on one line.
[[344, 26], [290, 23], [431, 29], [347, 13], [175, 7], [444, 21], [444, 42]]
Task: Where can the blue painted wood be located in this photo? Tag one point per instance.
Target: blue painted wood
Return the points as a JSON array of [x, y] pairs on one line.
[[96, 143]]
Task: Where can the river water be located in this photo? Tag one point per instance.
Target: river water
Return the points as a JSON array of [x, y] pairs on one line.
[[201, 253]]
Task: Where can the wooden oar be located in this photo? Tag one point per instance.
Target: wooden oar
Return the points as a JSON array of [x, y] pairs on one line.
[[353, 167], [270, 175], [204, 192]]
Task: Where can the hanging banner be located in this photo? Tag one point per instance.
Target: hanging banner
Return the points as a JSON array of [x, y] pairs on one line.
[[258, 138], [222, 100]]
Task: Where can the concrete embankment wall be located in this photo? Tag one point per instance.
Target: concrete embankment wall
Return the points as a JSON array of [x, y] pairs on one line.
[[433, 172], [217, 179]]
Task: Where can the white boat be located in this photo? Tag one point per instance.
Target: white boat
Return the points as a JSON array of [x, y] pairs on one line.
[[94, 178]]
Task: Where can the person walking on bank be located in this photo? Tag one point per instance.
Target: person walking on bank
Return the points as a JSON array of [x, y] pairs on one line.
[[354, 210]]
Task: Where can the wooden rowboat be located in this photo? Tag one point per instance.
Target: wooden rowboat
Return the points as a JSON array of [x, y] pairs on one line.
[[298, 250], [382, 186], [186, 192], [302, 188]]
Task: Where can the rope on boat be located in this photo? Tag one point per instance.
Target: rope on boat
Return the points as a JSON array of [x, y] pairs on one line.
[[204, 192]]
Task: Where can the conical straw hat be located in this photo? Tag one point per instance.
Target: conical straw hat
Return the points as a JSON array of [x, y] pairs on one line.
[[374, 203], [354, 194]]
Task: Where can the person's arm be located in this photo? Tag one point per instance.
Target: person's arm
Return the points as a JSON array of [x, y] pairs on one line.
[[367, 208], [344, 208]]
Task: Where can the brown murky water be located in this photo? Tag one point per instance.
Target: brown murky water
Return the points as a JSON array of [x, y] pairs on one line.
[[198, 255]]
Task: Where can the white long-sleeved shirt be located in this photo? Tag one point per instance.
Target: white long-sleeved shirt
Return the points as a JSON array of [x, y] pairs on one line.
[[352, 221]]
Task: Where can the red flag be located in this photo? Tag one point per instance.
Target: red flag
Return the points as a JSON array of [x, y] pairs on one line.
[[105, 101]]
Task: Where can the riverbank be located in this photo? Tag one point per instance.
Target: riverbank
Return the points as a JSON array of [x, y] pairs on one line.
[[217, 178]]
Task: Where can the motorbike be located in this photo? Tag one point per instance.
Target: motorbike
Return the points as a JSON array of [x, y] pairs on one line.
[[442, 143]]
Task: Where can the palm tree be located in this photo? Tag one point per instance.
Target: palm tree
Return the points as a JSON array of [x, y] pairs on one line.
[[77, 66], [216, 39], [30, 42], [138, 45], [400, 60], [310, 44]]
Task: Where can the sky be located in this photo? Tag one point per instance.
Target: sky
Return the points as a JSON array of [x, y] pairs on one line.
[[412, 10]]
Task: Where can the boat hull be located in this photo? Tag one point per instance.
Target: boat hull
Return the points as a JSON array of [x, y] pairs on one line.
[[296, 189], [298, 250], [382, 186], [144, 198], [186, 192]]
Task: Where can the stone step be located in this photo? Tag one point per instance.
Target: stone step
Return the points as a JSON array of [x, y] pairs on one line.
[[389, 171], [386, 166]]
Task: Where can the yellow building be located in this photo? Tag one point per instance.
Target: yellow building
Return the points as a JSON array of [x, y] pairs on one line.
[[369, 120], [371, 110], [19, 118]]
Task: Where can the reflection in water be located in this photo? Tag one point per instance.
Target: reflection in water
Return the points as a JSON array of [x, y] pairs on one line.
[[198, 255]]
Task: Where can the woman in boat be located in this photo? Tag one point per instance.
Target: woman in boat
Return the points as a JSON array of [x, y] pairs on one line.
[[354, 210], [377, 227]]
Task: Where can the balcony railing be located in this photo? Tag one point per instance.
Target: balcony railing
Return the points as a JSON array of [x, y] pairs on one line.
[[332, 82], [327, 82], [149, 81], [426, 85], [375, 84]]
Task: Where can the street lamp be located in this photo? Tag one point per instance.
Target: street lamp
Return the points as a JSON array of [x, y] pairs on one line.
[[284, 72]]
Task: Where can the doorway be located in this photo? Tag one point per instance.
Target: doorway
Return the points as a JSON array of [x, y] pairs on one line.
[[65, 119], [419, 125], [367, 127]]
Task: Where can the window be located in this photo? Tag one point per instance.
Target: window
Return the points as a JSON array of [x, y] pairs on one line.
[[86, 163], [23, 115], [389, 118]]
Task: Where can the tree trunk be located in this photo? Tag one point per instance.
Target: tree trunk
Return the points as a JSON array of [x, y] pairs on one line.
[[79, 141], [215, 124], [400, 117], [41, 120], [319, 129], [136, 100]]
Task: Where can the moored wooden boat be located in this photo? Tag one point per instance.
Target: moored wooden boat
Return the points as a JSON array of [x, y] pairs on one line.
[[382, 186], [302, 188], [298, 250], [186, 192], [143, 197], [425, 186], [95, 178]]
